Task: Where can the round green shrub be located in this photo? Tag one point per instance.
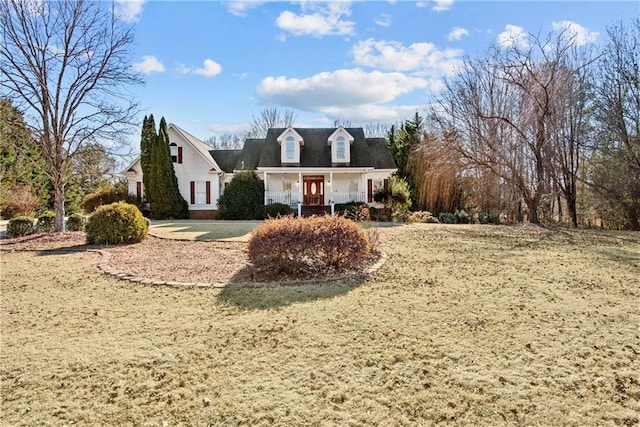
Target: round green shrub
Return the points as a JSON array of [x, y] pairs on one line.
[[275, 210], [76, 222], [461, 217], [489, 218], [242, 197], [47, 222], [447, 218], [116, 223], [290, 247], [20, 226]]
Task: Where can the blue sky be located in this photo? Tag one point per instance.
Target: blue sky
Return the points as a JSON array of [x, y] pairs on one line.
[[209, 66]]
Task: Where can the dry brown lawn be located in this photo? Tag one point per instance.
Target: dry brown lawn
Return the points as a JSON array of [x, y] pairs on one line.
[[463, 325]]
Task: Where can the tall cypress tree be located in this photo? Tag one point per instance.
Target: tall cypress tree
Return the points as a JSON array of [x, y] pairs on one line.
[[146, 144], [168, 202]]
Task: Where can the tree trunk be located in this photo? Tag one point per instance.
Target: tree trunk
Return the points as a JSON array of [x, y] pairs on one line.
[[573, 210], [58, 205], [532, 205]]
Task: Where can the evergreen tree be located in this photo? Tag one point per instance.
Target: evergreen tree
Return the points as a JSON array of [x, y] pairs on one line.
[[166, 199], [402, 143], [147, 141], [24, 187]]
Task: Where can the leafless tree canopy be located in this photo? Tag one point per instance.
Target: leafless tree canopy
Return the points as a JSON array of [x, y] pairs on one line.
[[508, 109], [66, 64], [270, 118]]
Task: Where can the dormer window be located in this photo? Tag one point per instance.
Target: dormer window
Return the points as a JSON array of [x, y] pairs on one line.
[[340, 148], [340, 143], [290, 146]]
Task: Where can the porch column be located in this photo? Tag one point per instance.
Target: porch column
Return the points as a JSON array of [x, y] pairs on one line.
[[366, 187], [266, 187], [331, 201]]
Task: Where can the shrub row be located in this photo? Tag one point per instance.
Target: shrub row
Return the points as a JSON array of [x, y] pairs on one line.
[[458, 217], [306, 247], [274, 210]]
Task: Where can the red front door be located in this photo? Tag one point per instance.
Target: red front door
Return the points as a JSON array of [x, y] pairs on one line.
[[313, 191]]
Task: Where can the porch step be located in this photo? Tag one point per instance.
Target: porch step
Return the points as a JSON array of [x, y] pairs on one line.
[[315, 210]]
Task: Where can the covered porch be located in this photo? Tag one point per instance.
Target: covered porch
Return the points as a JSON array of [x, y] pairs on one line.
[[316, 191]]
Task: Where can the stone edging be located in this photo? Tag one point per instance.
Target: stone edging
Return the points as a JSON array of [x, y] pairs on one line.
[[103, 266]]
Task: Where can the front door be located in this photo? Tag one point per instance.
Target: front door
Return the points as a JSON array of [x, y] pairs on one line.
[[313, 190]]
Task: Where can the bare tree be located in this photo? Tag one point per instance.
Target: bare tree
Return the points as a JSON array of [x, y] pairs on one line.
[[615, 165], [226, 141], [270, 118], [502, 108], [376, 130], [66, 63]]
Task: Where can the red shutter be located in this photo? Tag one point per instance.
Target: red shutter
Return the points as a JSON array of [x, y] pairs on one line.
[[369, 190], [193, 193], [179, 154], [139, 190], [208, 189], [385, 184]]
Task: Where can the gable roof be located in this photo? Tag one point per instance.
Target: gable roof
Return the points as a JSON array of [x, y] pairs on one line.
[[199, 146], [365, 152]]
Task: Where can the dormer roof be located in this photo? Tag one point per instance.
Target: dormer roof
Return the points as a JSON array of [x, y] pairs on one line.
[[340, 132], [290, 132]]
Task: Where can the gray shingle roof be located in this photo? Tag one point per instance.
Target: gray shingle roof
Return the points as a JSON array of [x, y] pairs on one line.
[[226, 159], [265, 153]]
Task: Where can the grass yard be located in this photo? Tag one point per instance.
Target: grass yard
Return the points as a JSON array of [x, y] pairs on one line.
[[203, 229], [463, 325]]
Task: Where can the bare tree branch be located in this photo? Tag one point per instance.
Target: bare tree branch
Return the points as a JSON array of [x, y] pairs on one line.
[[67, 63]]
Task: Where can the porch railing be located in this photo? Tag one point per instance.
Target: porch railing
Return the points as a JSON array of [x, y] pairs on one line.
[[348, 196], [285, 197], [291, 199]]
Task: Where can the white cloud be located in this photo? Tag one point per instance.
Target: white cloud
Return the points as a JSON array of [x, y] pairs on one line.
[[513, 36], [384, 20], [441, 5], [579, 34], [318, 20], [240, 8], [210, 68], [129, 10], [150, 64], [369, 113], [425, 58], [342, 89], [457, 33]]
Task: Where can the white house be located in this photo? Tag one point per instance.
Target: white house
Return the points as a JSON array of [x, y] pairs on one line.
[[310, 169]]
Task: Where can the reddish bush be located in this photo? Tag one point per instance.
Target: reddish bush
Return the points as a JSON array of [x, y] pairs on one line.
[[306, 247]]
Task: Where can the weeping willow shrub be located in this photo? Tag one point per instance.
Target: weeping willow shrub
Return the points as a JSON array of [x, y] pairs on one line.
[[437, 172]]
